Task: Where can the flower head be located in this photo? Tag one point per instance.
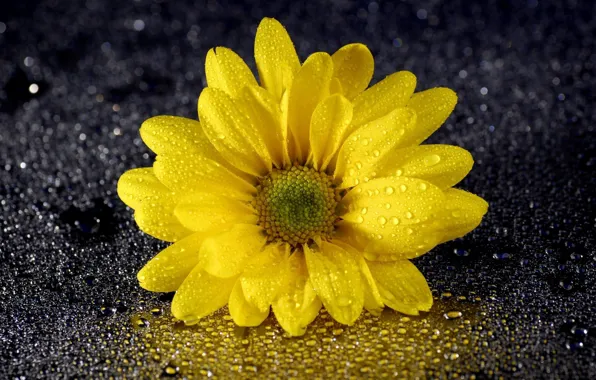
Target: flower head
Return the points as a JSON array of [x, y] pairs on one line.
[[307, 189]]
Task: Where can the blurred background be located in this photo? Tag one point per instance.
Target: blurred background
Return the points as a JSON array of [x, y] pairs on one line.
[[514, 298]]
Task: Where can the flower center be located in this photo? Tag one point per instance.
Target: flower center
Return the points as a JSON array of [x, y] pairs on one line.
[[296, 205]]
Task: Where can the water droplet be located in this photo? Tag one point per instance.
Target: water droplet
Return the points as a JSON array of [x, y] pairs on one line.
[[423, 186], [364, 210], [395, 221], [376, 153], [431, 160], [382, 220], [461, 252], [453, 314], [409, 215], [501, 256], [403, 188], [389, 190], [360, 219], [387, 206], [399, 172]]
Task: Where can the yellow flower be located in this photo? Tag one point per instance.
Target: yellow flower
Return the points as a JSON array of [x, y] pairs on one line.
[[307, 189]]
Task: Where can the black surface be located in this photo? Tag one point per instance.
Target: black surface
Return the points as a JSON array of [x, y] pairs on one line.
[[69, 249]]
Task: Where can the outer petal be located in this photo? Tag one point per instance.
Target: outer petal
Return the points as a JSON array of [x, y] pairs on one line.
[[390, 93], [224, 255], [392, 218], [166, 271], [232, 133], [186, 174], [297, 304], [402, 286], [201, 294], [207, 211], [243, 312], [226, 71], [353, 66], [367, 150], [463, 212], [261, 280], [372, 298], [334, 273], [310, 86], [153, 204], [433, 107], [138, 187], [275, 56], [178, 136], [265, 113], [328, 127], [441, 165]]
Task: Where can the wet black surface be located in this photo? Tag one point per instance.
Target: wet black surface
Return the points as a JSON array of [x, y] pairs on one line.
[[77, 78]]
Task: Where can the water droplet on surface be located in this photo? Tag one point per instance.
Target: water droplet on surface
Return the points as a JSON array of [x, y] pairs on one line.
[[395, 221], [501, 256], [403, 188], [453, 314], [389, 190], [382, 220]]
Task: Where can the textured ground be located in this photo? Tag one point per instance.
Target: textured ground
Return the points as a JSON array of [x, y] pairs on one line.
[[514, 298]]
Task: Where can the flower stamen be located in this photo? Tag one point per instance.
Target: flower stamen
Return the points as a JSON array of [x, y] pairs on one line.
[[297, 205]]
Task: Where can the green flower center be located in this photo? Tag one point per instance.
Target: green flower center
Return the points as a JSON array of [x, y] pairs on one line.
[[296, 205]]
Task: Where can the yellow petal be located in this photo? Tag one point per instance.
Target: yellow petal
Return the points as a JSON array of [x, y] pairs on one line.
[[138, 187], [402, 286], [297, 304], [226, 71], [441, 165], [432, 107], [392, 217], [153, 204], [224, 255], [276, 58], [243, 312], [261, 279], [159, 221], [208, 211], [390, 93], [200, 295], [310, 86], [191, 173], [178, 136], [372, 298], [231, 132], [462, 213], [166, 271], [353, 65], [328, 126], [265, 113], [334, 273], [368, 149]]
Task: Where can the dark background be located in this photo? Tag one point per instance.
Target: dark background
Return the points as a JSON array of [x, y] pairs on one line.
[[77, 78]]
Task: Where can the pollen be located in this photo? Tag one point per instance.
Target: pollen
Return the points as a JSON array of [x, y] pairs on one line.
[[297, 205]]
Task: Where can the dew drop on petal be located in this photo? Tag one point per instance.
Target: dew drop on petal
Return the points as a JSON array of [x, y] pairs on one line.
[[389, 190], [432, 160]]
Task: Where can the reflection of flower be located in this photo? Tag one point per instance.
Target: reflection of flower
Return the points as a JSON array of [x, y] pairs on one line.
[[306, 190]]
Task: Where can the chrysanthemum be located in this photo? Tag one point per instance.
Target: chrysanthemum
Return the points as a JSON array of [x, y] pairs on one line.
[[304, 190]]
